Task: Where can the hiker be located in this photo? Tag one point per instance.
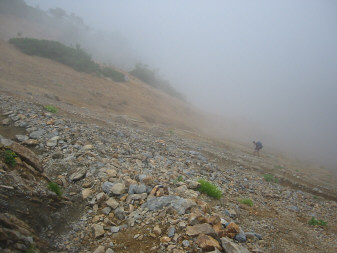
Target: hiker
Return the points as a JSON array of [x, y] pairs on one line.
[[258, 147]]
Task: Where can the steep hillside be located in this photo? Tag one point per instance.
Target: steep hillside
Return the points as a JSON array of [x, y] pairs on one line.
[[57, 84]]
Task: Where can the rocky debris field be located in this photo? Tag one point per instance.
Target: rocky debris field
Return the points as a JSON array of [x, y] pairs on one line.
[[123, 189]]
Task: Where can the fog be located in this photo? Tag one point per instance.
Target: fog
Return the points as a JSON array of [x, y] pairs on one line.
[[269, 64]]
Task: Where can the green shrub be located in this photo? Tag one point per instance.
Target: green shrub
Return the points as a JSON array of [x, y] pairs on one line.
[[270, 178], [209, 188], [54, 187], [50, 108], [113, 74], [314, 222], [10, 157], [150, 77], [74, 57], [246, 202]]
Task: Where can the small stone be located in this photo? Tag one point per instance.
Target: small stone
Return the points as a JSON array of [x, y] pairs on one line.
[[6, 122], [170, 247], [87, 147], [31, 142], [100, 197], [258, 236], [57, 155], [106, 210], [137, 189], [52, 142], [112, 203], [86, 193], [182, 224], [186, 243], [109, 251], [98, 230], [232, 230], [157, 230], [118, 188], [100, 249], [241, 236], [21, 138], [119, 213], [171, 232], [36, 134], [192, 184], [79, 174], [207, 242], [231, 213], [111, 172], [165, 239], [106, 187], [114, 229]]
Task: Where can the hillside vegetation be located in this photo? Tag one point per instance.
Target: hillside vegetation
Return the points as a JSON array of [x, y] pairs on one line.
[[75, 58], [150, 77]]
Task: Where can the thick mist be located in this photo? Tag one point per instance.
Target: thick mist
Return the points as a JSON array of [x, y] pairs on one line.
[[270, 65]]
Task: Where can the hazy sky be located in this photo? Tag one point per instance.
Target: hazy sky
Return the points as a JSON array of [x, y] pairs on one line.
[[272, 62]]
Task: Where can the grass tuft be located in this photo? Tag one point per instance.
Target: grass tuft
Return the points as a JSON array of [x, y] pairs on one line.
[[179, 179], [209, 188], [50, 108], [314, 222], [54, 187], [270, 178], [10, 157], [246, 202]]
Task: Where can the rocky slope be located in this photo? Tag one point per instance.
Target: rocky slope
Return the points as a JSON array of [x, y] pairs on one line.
[[131, 190]]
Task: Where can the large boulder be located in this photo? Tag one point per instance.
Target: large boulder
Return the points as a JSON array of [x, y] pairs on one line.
[[27, 155], [204, 228], [207, 242]]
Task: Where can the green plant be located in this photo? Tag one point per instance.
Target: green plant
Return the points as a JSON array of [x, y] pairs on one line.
[[246, 202], [50, 108], [179, 179], [32, 249], [270, 178], [314, 222], [10, 157], [144, 73], [74, 57], [209, 188], [113, 74], [54, 187]]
